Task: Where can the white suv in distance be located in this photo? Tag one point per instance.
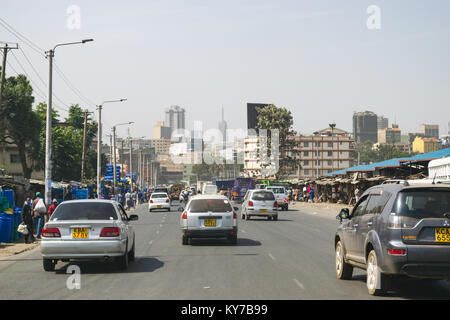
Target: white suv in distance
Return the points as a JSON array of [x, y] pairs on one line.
[[209, 216], [260, 203], [159, 200], [281, 196]]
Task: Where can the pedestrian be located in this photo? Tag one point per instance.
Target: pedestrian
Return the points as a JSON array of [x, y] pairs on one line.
[[311, 195], [27, 219], [127, 200], [51, 209], [37, 216]]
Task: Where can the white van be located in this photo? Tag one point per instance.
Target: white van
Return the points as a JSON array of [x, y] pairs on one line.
[[209, 189]]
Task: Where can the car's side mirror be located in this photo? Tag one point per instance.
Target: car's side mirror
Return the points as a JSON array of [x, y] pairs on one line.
[[344, 214], [236, 208], [133, 217]]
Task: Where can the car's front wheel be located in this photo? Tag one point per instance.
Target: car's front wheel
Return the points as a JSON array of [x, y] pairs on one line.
[[376, 281], [49, 265], [344, 271]]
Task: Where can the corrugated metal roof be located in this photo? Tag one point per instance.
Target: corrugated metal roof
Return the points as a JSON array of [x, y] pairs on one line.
[[393, 163]]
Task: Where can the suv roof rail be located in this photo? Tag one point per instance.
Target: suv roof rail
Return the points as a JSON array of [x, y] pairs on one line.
[[394, 181]]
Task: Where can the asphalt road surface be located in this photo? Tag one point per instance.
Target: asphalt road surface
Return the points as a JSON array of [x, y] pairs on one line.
[[292, 258]]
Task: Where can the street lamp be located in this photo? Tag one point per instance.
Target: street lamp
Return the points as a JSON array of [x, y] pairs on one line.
[[114, 153], [99, 142], [48, 134], [131, 159]]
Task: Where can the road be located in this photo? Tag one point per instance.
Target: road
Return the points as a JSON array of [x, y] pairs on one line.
[[292, 258]]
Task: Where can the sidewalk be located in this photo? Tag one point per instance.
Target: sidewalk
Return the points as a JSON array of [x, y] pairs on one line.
[[329, 210], [10, 249]]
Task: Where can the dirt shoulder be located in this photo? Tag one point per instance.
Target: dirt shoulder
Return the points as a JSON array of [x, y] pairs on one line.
[[328, 210], [11, 249]]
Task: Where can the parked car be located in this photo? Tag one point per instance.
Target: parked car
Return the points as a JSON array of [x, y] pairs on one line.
[[260, 203], [281, 196], [88, 229], [159, 200], [209, 216], [395, 229]]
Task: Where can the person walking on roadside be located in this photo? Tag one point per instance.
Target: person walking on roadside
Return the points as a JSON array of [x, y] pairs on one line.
[[27, 219], [51, 209], [127, 200], [38, 217]]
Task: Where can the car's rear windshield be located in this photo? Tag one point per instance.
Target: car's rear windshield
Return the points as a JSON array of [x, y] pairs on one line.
[[276, 190], [159, 195], [422, 204], [84, 211], [263, 195], [161, 190], [210, 205]]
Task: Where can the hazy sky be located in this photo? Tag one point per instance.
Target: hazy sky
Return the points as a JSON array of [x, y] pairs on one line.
[[316, 58]]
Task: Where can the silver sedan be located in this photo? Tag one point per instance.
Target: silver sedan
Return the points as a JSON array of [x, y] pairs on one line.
[[88, 230]]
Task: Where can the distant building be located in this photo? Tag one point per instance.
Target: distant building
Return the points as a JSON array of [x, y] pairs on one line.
[[223, 127], [175, 118], [430, 130], [252, 114], [365, 127], [389, 135], [162, 146], [425, 145], [160, 131], [326, 151], [413, 135], [382, 123]]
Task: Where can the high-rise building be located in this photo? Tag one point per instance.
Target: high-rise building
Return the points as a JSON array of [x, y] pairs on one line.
[[430, 130], [223, 126], [252, 114], [365, 126], [389, 135], [160, 131], [175, 118], [382, 123]]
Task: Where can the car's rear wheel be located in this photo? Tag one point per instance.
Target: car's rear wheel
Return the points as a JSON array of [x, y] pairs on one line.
[[233, 240], [247, 217], [131, 254], [344, 271], [122, 261], [185, 240], [275, 218], [49, 265], [374, 276], [269, 218]]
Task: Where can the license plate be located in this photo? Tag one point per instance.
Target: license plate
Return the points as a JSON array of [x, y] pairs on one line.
[[210, 222], [263, 210], [159, 206], [442, 234], [80, 233]]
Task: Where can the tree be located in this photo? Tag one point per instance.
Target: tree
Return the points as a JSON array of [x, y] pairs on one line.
[[383, 152], [21, 124], [272, 117]]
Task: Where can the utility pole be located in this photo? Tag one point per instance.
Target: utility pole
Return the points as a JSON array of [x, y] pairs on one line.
[[114, 160], [3, 75], [131, 163], [83, 155], [99, 149]]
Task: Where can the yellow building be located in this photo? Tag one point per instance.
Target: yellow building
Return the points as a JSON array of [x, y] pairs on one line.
[[425, 145]]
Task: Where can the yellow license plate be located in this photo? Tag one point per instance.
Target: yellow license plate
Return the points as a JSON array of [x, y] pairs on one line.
[[210, 222], [442, 234], [263, 210], [159, 206], [80, 233]]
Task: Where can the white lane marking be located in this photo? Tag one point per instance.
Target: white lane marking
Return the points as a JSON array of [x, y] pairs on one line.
[[272, 257], [243, 231], [206, 287], [299, 284]]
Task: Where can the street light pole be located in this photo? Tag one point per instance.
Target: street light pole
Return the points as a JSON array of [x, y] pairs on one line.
[[99, 143], [114, 154], [48, 127]]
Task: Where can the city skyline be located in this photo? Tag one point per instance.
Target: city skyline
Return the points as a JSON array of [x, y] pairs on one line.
[[209, 59]]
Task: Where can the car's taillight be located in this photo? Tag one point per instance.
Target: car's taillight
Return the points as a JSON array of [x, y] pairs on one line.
[[234, 215], [184, 216], [397, 252], [151, 201], [286, 200], [167, 200], [250, 203], [51, 233], [275, 204], [400, 222], [110, 232]]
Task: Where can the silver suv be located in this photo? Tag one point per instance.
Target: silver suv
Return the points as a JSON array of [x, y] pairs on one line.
[[209, 216], [395, 229]]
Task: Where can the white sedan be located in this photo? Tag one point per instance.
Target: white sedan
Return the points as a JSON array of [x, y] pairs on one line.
[[159, 200]]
